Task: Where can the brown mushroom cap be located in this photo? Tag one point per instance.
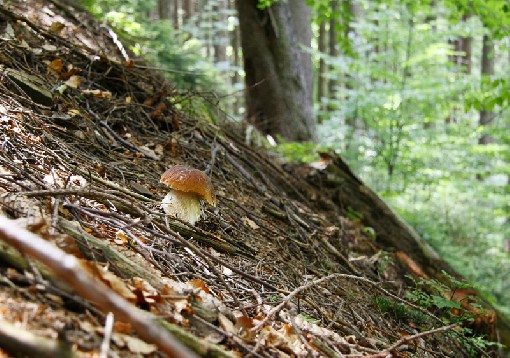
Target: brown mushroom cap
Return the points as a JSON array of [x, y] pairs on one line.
[[184, 178]]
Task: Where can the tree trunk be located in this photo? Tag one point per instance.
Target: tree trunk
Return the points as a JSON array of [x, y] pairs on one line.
[[220, 37], [164, 9], [333, 48], [236, 62], [187, 7], [322, 81], [462, 47], [278, 71], [175, 14], [486, 116]]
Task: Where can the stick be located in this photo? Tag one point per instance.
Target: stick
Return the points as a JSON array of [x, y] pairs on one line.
[[393, 347]]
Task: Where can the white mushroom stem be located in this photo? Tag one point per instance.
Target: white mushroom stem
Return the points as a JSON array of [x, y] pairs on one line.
[[183, 205]]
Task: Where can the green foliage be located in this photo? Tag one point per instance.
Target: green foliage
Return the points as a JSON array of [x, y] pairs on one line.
[[299, 152], [399, 311], [174, 51], [406, 120], [354, 215], [384, 261], [430, 294], [494, 14], [264, 4], [274, 298]]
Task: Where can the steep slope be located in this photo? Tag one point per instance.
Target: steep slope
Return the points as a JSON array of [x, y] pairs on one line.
[[276, 269]]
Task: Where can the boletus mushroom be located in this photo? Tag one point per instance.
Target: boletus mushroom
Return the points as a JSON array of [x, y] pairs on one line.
[[188, 187]]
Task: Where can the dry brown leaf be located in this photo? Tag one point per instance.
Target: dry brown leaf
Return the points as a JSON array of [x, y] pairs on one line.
[[121, 238], [71, 72], [55, 67], [56, 27], [116, 284], [122, 327], [243, 328], [129, 64], [197, 283], [73, 81]]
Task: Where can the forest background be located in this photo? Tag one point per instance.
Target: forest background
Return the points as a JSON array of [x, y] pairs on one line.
[[415, 95]]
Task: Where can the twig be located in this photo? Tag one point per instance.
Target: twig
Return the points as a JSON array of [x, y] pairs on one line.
[[122, 141], [219, 275], [292, 295], [105, 345], [338, 255], [403, 340], [87, 193], [260, 188], [113, 185]]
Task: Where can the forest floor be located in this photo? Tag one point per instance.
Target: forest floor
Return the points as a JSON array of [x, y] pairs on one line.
[[275, 269]]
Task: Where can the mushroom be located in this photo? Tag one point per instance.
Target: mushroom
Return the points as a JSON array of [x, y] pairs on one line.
[[188, 187]]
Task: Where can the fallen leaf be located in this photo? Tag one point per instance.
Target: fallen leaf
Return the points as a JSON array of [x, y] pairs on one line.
[[56, 27], [226, 324], [73, 81], [121, 238], [122, 327], [55, 67], [252, 224], [136, 345], [129, 64], [243, 328], [197, 283]]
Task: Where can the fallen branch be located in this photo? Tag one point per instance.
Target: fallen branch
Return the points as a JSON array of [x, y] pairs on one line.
[[294, 293], [73, 273], [406, 339]]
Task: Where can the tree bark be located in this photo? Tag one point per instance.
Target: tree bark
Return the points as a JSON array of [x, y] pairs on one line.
[[175, 14], [462, 46], [164, 9], [322, 81], [487, 116], [236, 62], [220, 36], [278, 71], [333, 48], [188, 8]]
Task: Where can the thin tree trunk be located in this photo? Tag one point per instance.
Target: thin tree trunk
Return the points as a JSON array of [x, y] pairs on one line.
[[349, 79], [236, 61], [187, 7], [333, 49], [175, 14], [164, 9], [322, 81], [278, 72], [220, 37], [487, 69]]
